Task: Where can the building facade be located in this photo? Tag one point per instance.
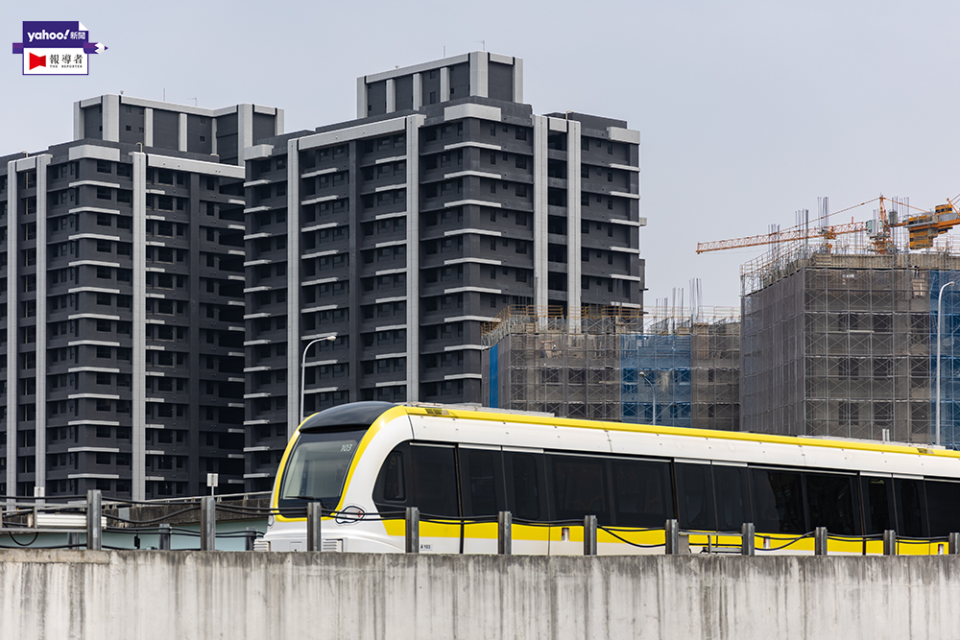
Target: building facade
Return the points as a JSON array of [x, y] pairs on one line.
[[845, 345], [121, 279], [399, 234], [617, 365]]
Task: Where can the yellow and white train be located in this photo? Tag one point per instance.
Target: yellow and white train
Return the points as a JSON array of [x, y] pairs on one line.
[[455, 464]]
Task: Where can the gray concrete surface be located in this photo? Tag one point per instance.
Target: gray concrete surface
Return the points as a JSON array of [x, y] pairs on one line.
[[195, 595]]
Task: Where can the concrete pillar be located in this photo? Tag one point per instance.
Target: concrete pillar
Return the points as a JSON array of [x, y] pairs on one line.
[[504, 533], [820, 541], [94, 514], [314, 517], [590, 535], [889, 542], [672, 537], [166, 535], [747, 534], [208, 524], [412, 530]]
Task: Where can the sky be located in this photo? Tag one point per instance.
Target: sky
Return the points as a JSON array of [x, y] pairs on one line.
[[748, 110]]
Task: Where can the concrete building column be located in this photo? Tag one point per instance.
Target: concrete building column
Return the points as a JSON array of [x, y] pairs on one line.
[[417, 91], [78, 126], [362, 97], [479, 73], [391, 95], [540, 133], [40, 473], [518, 80], [111, 118], [13, 264], [293, 289], [138, 389], [244, 129], [444, 84], [213, 141], [148, 127], [182, 134], [574, 236], [413, 124]]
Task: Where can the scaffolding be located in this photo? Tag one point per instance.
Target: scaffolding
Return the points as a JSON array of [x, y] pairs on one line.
[[844, 345], [614, 364]]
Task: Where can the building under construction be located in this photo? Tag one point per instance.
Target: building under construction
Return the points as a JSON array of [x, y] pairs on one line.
[[612, 363], [844, 344]]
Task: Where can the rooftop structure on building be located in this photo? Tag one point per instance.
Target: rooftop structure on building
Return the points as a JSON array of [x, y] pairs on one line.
[[399, 234], [122, 279]]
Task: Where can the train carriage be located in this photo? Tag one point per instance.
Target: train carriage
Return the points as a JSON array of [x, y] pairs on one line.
[[367, 462]]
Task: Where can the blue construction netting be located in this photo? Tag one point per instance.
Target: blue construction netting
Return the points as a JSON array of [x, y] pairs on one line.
[[664, 361], [949, 358]]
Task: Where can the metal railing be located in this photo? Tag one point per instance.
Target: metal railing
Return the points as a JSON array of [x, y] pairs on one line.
[[88, 518]]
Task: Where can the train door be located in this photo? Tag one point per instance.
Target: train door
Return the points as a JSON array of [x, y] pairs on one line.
[[433, 483], [482, 496], [526, 489]]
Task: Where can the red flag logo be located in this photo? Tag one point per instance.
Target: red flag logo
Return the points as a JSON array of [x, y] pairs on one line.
[[37, 61]]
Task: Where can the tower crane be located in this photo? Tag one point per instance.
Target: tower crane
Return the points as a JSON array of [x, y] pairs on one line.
[[922, 229]]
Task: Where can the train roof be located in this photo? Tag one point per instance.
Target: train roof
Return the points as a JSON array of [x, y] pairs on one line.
[[494, 415]]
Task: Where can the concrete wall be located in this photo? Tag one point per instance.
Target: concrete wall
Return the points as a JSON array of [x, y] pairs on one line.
[[163, 595]]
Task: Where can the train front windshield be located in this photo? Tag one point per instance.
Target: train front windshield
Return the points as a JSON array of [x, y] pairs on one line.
[[317, 468]]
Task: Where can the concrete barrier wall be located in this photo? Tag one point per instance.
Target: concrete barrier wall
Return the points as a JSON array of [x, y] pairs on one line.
[[195, 595]]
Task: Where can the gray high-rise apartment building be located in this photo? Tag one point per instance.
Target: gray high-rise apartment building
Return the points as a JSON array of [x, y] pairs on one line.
[[403, 232], [121, 301]]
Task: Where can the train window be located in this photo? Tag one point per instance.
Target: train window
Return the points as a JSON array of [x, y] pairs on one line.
[[909, 498], [578, 488], [642, 492], [695, 496], [433, 480], [526, 487], [393, 482], [877, 504], [317, 467], [777, 501], [942, 500], [480, 488], [832, 504], [732, 500]]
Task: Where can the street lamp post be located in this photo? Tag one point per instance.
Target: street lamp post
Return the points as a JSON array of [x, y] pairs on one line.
[[653, 386], [303, 366], [939, 332]]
